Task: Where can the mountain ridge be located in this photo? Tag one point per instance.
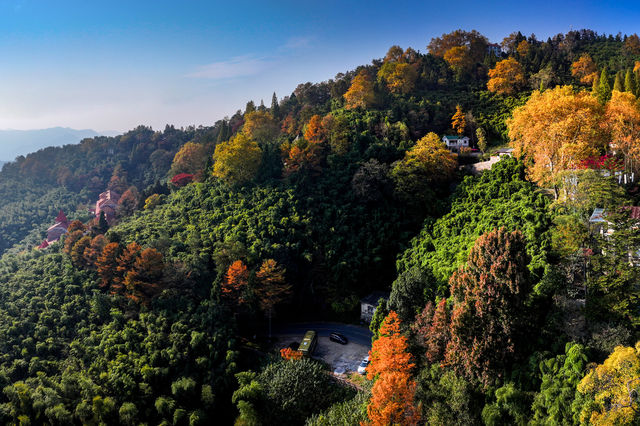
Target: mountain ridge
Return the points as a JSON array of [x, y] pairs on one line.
[[14, 143]]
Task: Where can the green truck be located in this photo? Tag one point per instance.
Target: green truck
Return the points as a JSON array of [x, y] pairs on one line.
[[309, 342]]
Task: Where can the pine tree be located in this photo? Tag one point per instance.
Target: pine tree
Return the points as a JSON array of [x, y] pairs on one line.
[[629, 82], [103, 225], [275, 107], [604, 87], [619, 82], [223, 134], [250, 107]]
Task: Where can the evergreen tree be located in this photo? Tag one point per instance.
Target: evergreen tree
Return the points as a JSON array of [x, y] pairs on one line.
[[619, 82], [250, 107], [224, 133], [629, 82], [275, 106], [604, 87], [103, 225]]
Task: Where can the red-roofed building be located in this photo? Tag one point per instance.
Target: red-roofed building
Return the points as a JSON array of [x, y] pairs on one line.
[[44, 245], [60, 227], [107, 203]]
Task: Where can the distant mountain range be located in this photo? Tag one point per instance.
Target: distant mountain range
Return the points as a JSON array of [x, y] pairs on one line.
[[21, 142]]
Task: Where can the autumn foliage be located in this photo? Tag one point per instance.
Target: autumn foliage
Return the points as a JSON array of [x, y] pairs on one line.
[[290, 354], [506, 78], [611, 389], [622, 122], [235, 281], [488, 307], [360, 94], [393, 393], [584, 69], [237, 161], [182, 179], [557, 129]]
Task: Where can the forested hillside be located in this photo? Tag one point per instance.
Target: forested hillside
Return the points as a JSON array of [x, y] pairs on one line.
[[507, 305]]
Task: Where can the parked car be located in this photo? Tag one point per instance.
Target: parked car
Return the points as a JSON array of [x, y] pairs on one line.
[[338, 338], [362, 368]]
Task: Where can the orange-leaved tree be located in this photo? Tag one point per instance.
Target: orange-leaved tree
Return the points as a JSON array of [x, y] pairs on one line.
[[290, 354], [107, 263], [556, 130], [235, 281], [360, 94], [272, 287], [458, 121], [584, 69], [126, 261], [191, 158], [315, 132], [393, 393], [142, 282], [506, 78]]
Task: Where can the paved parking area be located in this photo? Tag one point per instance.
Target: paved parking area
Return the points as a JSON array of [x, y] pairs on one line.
[[336, 355]]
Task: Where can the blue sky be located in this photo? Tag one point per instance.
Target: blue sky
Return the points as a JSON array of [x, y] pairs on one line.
[[112, 65]]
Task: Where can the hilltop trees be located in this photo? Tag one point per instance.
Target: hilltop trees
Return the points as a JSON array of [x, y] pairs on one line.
[[556, 129], [397, 71], [506, 78], [584, 69], [360, 94], [423, 170], [190, 159], [237, 161]]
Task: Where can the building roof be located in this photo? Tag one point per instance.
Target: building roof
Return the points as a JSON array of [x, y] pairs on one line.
[[597, 216], [450, 137], [58, 225], [373, 298], [62, 218], [504, 150]]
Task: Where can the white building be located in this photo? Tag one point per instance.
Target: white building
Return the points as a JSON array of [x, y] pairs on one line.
[[454, 143]]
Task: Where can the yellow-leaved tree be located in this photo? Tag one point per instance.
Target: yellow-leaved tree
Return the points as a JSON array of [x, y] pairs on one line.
[[556, 130], [609, 393], [622, 121], [237, 161], [361, 93], [584, 69], [506, 78]]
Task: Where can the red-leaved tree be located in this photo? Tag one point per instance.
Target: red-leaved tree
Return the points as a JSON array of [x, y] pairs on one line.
[[488, 315]]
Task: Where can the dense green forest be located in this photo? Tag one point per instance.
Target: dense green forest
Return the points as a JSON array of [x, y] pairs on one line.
[[506, 306]]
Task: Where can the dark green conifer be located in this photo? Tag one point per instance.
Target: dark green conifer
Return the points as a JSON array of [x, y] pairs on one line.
[[275, 106], [629, 82]]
